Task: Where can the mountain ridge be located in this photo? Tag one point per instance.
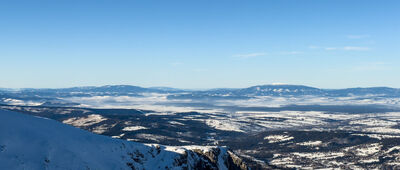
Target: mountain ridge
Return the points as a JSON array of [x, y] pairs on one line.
[[219, 93], [166, 88]]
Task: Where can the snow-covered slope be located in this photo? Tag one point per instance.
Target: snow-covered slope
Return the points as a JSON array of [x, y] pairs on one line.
[[28, 142]]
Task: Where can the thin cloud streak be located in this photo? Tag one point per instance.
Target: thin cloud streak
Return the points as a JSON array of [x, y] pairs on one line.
[[352, 48], [291, 52], [345, 48], [250, 55]]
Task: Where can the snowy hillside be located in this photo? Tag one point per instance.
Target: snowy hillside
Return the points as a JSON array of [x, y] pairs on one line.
[[28, 142]]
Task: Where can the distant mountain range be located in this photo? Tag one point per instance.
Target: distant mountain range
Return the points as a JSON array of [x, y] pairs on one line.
[[261, 90]]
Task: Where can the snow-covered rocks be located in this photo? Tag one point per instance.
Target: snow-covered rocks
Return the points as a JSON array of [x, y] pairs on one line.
[[278, 138], [133, 128], [225, 125], [85, 121], [311, 143]]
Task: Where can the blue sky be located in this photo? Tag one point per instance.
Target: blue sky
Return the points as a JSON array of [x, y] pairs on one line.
[[200, 44]]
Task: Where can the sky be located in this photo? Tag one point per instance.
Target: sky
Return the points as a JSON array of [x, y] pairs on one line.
[[199, 43]]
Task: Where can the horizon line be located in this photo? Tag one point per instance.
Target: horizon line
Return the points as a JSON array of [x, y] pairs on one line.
[[194, 89]]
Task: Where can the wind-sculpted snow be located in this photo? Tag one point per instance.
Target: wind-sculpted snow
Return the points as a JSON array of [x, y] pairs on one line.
[[28, 142]]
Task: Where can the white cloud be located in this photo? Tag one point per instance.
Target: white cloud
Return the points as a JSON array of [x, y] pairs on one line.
[[331, 48], [249, 55], [353, 48], [291, 52], [346, 48]]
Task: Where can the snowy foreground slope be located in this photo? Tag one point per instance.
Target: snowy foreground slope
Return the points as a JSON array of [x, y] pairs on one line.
[[28, 142]]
